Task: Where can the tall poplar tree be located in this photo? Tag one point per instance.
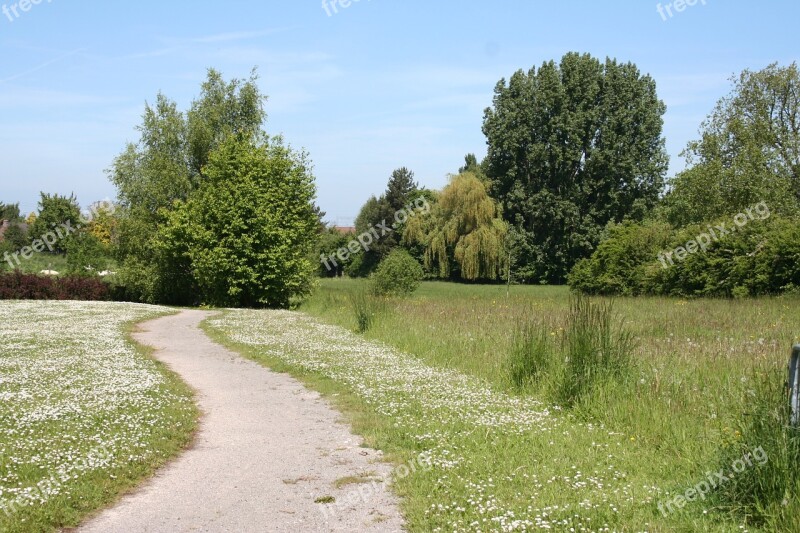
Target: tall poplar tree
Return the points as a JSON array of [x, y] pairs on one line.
[[571, 147]]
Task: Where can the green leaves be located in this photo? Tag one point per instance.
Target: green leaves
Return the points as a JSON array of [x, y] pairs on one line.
[[463, 235], [212, 211], [749, 151], [245, 237], [571, 148]]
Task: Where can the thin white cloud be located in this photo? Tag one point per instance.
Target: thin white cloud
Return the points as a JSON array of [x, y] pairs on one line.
[[42, 66], [239, 35]]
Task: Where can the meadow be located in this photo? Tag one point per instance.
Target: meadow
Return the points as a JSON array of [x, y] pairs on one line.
[[85, 414], [431, 374]]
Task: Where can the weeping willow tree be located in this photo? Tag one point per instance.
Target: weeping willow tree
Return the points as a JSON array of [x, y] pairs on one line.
[[464, 234]]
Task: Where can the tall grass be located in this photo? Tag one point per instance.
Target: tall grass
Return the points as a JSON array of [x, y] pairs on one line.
[[532, 355], [764, 492], [593, 350], [676, 399], [365, 307]]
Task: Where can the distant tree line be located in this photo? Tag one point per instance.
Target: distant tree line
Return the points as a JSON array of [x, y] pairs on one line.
[[574, 188], [212, 209], [58, 228]]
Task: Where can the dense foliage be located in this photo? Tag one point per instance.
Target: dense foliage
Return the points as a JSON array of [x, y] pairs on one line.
[[387, 214], [244, 238], [746, 166], [464, 234], [56, 212], [748, 152], [758, 259], [572, 147], [192, 168], [399, 274]]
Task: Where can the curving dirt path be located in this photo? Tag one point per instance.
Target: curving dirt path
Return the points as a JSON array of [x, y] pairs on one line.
[[267, 448]]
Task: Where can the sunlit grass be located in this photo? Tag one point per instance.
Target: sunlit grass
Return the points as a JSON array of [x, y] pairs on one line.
[[605, 463], [85, 414]]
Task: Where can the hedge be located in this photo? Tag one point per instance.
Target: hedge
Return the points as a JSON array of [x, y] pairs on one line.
[[19, 286]]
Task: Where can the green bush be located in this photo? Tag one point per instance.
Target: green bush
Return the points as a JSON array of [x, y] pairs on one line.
[[760, 258], [622, 261], [397, 275], [246, 235]]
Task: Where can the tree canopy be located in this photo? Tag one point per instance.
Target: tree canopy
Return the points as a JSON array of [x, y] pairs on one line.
[[572, 147], [55, 211], [464, 234], [178, 169], [748, 151], [246, 235]]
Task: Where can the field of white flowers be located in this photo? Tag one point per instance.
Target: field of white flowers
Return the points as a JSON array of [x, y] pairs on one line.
[[84, 414], [499, 461]]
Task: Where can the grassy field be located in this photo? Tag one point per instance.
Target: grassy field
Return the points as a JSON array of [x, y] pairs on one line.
[[45, 261], [39, 262], [85, 415], [431, 375]]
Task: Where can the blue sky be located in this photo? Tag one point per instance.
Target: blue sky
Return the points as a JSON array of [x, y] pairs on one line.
[[378, 85]]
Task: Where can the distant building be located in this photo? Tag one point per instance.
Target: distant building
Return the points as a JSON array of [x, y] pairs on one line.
[[345, 230]]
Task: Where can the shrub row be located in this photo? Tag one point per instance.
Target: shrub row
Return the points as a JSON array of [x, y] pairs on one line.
[[19, 286], [760, 258]]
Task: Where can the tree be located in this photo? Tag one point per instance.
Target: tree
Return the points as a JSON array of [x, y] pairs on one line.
[[165, 167], [471, 165], [59, 214], [572, 147], [235, 108], [464, 234], [86, 254], [15, 235], [246, 235], [103, 224], [381, 212], [400, 189], [329, 241], [749, 151], [10, 212]]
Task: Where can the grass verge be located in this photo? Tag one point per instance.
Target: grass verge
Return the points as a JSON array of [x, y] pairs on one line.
[[87, 414]]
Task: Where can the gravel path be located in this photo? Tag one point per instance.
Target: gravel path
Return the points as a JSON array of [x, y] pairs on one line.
[[267, 448]]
